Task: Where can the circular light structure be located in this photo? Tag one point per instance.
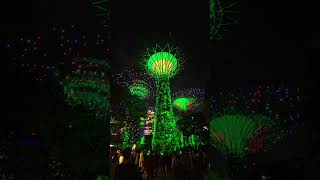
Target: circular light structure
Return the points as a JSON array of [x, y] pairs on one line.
[[162, 64], [87, 85], [140, 89], [183, 103], [231, 134]]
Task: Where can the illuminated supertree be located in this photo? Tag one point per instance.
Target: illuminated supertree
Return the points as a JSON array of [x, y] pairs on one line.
[[137, 98], [86, 89], [184, 103], [189, 122], [222, 15], [140, 89], [88, 86], [188, 99], [278, 102], [137, 110], [129, 77], [231, 134], [163, 64]]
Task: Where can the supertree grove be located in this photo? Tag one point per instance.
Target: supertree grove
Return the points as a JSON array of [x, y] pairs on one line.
[[163, 63]]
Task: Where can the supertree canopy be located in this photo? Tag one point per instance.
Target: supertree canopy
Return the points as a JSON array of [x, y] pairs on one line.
[[88, 86], [279, 102], [231, 134], [163, 64], [129, 76], [139, 88], [190, 97], [222, 15], [183, 103]]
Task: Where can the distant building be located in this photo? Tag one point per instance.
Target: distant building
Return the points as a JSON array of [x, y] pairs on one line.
[[148, 128]]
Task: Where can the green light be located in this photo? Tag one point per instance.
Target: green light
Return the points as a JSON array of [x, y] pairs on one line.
[[142, 123], [88, 86], [231, 133], [139, 88], [183, 103], [126, 136], [142, 140], [162, 64]]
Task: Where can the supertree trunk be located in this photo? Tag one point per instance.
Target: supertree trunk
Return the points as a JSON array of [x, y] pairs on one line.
[[165, 136]]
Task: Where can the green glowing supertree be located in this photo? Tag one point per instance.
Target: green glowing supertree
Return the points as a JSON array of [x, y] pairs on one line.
[[163, 64], [88, 86], [183, 103], [139, 88], [222, 15], [185, 121], [231, 134], [137, 105]]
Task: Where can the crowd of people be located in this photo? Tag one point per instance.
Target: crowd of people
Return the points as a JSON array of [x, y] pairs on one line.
[[143, 164]]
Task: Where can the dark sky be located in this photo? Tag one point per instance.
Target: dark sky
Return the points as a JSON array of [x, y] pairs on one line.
[[141, 24], [272, 46]]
